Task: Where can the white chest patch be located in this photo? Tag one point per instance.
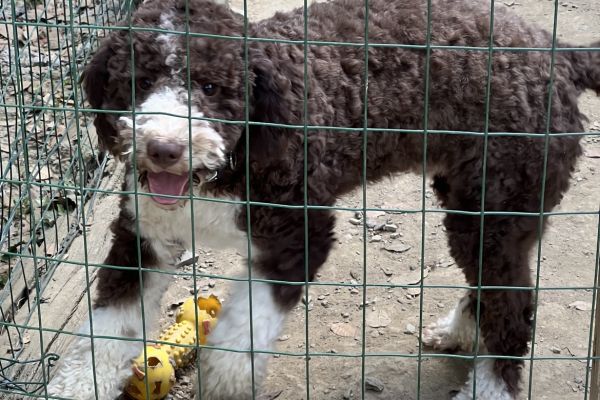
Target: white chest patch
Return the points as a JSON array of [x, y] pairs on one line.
[[206, 223]]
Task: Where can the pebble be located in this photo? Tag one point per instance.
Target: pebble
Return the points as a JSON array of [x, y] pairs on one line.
[[283, 338], [349, 394], [555, 349], [374, 384], [395, 235], [212, 284], [410, 329], [321, 297], [354, 291], [345, 315], [376, 239], [325, 303], [390, 228], [354, 221]]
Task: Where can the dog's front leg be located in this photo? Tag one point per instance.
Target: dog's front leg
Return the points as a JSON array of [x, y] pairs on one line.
[[102, 365], [228, 375]]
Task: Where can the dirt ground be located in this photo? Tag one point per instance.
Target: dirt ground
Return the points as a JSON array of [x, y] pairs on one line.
[[568, 253]]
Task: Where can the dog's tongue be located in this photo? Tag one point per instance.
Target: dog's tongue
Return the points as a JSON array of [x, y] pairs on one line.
[[169, 184]]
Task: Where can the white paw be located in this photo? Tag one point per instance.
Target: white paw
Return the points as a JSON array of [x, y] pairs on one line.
[[75, 376], [454, 332], [489, 386], [438, 337], [228, 375]]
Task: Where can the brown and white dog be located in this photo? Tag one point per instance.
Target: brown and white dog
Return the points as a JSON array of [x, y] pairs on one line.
[[204, 77]]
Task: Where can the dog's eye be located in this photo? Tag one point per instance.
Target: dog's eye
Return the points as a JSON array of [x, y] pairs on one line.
[[209, 89], [145, 83]]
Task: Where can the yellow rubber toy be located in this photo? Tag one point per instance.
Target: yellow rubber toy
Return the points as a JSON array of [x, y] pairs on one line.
[[163, 358], [158, 371]]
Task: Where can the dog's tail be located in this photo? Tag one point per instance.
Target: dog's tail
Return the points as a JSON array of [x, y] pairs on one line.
[[586, 67]]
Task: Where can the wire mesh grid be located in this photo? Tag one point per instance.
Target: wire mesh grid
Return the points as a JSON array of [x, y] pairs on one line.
[[52, 173], [47, 155]]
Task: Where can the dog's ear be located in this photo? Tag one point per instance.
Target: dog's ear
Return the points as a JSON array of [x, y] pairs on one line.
[[94, 80], [272, 102]]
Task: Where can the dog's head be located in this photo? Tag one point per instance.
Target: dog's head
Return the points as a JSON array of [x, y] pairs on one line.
[[177, 82]]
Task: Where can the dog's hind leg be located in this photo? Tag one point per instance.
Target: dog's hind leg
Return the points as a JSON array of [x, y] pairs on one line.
[[505, 314], [98, 368]]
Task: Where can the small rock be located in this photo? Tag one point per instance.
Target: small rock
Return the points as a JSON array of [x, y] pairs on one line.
[[555, 349], [444, 264], [410, 329], [321, 297], [325, 303], [212, 283], [170, 314], [355, 221], [376, 239], [390, 228], [283, 338], [395, 235], [349, 394], [354, 291], [387, 271], [373, 384], [345, 315]]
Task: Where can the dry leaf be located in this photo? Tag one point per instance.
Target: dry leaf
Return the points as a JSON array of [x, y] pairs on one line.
[[580, 306], [342, 329], [411, 278], [378, 319], [397, 247]]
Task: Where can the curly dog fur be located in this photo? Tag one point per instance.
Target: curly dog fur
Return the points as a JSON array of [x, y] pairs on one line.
[[335, 78]]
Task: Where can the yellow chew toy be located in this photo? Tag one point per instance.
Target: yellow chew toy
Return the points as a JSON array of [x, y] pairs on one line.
[[162, 359]]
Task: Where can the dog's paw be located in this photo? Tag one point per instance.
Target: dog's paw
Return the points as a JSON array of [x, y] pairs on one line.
[[488, 385], [438, 336], [227, 375], [110, 366]]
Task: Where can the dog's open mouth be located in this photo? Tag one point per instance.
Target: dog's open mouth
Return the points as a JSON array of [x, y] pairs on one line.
[[165, 183]]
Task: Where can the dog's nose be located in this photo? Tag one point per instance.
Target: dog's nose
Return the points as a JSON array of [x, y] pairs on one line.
[[164, 154]]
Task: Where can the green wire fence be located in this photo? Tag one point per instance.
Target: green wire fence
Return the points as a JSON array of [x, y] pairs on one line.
[[53, 177]]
